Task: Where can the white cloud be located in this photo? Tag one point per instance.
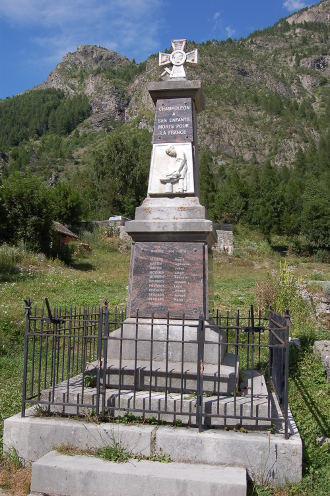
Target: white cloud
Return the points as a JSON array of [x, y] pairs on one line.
[[216, 20], [128, 25], [218, 25], [292, 5], [230, 31], [47, 13]]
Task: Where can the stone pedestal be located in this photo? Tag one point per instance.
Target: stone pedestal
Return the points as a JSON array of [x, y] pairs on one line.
[[172, 236]]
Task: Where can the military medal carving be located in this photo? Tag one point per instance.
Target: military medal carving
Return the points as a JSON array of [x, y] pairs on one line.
[[177, 59]]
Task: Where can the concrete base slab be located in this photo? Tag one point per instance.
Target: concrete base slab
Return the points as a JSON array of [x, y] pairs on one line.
[[268, 458], [62, 475]]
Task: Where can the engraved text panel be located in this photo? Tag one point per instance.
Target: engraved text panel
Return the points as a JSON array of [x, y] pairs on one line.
[[167, 277], [174, 121]]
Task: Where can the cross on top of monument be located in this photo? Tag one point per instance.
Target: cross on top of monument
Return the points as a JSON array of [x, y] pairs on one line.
[[177, 58]]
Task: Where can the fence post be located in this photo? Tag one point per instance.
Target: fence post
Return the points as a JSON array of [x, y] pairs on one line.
[[286, 375], [99, 360], [236, 336], [270, 342], [26, 343], [105, 352], [200, 372]]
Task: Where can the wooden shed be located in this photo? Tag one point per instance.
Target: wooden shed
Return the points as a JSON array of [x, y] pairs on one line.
[[63, 234]]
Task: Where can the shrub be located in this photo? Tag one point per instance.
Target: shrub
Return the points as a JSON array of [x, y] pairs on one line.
[[67, 205], [29, 212], [322, 256], [9, 256], [286, 288], [118, 172], [63, 251], [282, 291]]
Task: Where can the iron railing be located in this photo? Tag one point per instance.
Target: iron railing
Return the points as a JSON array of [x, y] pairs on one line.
[[229, 371]]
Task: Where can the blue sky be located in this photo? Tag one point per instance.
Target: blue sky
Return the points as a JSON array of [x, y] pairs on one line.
[[35, 34]]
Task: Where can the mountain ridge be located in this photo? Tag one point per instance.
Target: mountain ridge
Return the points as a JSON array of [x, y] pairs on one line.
[[263, 61], [266, 95]]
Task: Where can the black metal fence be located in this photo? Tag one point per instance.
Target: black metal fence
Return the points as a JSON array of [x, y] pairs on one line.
[[229, 371]]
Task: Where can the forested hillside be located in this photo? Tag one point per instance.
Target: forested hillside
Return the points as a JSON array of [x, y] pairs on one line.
[[264, 136]]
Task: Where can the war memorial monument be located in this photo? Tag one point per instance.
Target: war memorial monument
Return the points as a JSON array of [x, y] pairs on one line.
[[170, 378]]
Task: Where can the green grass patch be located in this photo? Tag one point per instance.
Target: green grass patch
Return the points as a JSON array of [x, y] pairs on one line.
[[114, 452], [102, 274]]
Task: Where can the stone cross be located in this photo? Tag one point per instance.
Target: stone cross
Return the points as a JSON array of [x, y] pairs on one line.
[[177, 58]]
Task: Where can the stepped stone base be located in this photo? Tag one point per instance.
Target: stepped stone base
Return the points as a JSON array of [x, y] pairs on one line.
[[170, 407], [177, 331], [268, 458], [61, 475], [174, 376]]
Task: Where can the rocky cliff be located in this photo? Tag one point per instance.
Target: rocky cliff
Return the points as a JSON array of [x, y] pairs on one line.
[[265, 95]]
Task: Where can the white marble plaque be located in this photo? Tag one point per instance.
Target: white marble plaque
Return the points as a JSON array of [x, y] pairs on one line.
[[171, 169]]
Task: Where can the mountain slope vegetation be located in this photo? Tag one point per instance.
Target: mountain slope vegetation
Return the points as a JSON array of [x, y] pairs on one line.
[[263, 137]]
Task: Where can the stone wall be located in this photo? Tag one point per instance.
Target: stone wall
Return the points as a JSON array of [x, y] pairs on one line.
[[225, 239], [123, 234]]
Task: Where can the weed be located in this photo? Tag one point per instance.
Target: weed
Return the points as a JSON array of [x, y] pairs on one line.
[[14, 477], [69, 450], [42, 411], [130, 418], [322, 256], [317, 276], [11, 459], [9, 256], [90, 380], [240, 428], [159, 457], [114, 453]]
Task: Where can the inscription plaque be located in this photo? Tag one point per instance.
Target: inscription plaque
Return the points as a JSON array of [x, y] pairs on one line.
[[174, 121], [167, 277]]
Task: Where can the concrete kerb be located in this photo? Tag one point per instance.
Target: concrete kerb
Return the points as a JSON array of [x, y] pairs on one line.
[[83, 476], [33, 437], [266, 457]]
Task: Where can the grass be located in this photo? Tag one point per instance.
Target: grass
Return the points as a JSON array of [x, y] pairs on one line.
[[103, 274], [114, 452], [309, 398], [128, 418], [14, 477]]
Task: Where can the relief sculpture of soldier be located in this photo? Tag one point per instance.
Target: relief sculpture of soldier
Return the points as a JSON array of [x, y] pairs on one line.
[[179, 174]]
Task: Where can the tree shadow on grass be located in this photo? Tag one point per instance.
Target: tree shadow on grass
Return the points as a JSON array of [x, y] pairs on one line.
[[304, 391], [15, 276], [83, 266], [315, 412]]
